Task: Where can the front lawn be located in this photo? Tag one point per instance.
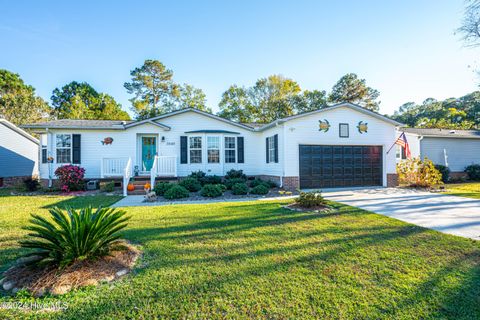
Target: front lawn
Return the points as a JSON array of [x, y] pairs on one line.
[[259, 260], [469, 190]]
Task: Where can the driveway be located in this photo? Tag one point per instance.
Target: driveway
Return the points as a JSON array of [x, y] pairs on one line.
[[449, 214]]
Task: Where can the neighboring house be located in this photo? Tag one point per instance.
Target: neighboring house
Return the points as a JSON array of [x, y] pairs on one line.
[[339, 146], [455, 149], [18, 154]]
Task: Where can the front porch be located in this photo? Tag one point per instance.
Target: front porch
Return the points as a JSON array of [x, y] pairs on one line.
[[160, 167]]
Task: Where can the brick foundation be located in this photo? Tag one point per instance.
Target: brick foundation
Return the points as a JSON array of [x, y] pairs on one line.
[[13, 181], [392, 180], [458, 175], [291, 183], [275, 179]]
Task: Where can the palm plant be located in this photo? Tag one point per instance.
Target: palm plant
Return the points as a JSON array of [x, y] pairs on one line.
[[75, 235]]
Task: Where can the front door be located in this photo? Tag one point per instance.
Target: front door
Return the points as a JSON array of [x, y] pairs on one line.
[[149, 151]]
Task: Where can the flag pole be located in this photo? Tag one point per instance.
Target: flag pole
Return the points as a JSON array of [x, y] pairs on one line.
[[394, 143]]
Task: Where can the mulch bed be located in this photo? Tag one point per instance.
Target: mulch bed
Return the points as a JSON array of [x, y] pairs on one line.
[[82, 273], [228, 195], [318, 209]]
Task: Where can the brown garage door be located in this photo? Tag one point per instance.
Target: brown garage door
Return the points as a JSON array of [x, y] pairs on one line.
[[324, 166]]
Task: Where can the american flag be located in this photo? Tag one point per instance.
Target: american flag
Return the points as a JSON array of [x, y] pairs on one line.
[[402, 141]]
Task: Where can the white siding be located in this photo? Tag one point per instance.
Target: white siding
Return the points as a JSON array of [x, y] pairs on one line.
[[460, 152], [304, 130], [18, 154]]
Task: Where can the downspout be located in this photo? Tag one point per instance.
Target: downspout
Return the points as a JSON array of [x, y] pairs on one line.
[[49, 155], [284, 154]]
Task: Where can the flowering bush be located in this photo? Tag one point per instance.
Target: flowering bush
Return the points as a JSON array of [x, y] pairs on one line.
[[71, 177], [416, 172]]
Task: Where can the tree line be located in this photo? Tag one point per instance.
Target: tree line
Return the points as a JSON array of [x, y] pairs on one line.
[[154, 92]]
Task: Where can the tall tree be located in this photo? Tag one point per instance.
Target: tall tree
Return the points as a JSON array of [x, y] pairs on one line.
[[191, 97], [236, 105], [470, 28], [153, 89], [79, 100], [352, 89], [18, 102], [310, 101]]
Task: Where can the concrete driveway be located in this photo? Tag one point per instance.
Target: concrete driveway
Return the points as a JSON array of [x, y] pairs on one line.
[[449, 214]]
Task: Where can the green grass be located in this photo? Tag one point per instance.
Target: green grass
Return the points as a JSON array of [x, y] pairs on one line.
[[259, 260], [469, 190]]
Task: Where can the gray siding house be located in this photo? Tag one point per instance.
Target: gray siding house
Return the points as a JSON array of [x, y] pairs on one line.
[[455, 149], [18, 154]]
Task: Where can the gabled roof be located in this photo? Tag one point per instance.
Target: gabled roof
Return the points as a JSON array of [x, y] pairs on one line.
[[443, 133], [21, 132], [79, 124], [333, 107]]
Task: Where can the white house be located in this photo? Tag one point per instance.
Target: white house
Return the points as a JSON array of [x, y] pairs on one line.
[[455, 149], [338, 146], [18, 154]]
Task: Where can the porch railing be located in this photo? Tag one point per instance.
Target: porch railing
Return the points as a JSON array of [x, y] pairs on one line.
[[113, 167], [163, 166], [127, 174]]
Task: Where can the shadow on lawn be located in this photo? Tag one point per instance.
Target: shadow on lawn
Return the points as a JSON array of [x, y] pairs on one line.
[[77, 202]]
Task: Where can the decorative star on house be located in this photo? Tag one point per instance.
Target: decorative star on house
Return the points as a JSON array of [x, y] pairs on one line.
[[323, 125], [362, 127]]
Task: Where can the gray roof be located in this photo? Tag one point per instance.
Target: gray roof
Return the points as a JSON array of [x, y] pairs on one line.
[[444, 133], [79, 124]]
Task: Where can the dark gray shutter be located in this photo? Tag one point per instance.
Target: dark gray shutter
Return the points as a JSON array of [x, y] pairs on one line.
[[44, 155], [266, 148], [240, 150], [275, 144], [183, 149], [76, 149]]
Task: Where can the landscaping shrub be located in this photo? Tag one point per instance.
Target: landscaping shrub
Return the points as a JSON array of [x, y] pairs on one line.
[[191, 184], [240, 188], [108, 186], [473, 171], [199, 175], [444, 171], [211, 180], [162, 187], [231, 181], [176, 192], [71, 177], [212, 190], [258, 182], [236, 174], [73, 236], [31, 184], [259, 189], [310, 199], [417, 173]]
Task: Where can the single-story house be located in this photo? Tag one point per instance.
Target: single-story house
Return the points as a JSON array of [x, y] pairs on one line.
[[342, 145], [18, 154], [455, 149]]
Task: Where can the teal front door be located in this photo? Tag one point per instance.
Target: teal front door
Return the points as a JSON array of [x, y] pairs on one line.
[[149, 151]]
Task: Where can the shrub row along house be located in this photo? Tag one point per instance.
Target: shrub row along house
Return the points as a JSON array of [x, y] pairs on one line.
[[342, 145]]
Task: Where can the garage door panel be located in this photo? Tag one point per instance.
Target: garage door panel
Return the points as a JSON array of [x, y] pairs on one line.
[[324, 166]]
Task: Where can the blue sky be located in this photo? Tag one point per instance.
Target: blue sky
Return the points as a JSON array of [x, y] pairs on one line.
[[405, 49]]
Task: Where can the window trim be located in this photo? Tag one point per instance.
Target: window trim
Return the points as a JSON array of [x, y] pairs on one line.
[[340, 130], [235, 149], [190, 149], [271, 149], [219, 149], [57, 148]]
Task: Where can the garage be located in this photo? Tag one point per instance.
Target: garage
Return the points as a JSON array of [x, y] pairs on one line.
[[334, 166]]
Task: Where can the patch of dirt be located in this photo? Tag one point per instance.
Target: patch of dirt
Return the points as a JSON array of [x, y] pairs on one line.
[[56, 281]]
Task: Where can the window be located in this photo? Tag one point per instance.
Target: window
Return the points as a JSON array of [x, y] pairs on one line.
[[64, 148], [195, 149], [230, 149], [271, 149], [44, 154], [343, 130], [213, 149], [400, 153]]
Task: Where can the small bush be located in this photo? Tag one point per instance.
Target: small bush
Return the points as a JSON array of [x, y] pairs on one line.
[[176, 192], [258, 182], [231, 181], [222, 186], [162, 187], [259, 189], [473, 171], [444, 171], [108, 186], [310, 199], [417, 173], [191, 184], [240, 188], [212, 190], [71, 177], [199, 175], [31, 184], [74, 236], [211, 180], [235, 174]]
